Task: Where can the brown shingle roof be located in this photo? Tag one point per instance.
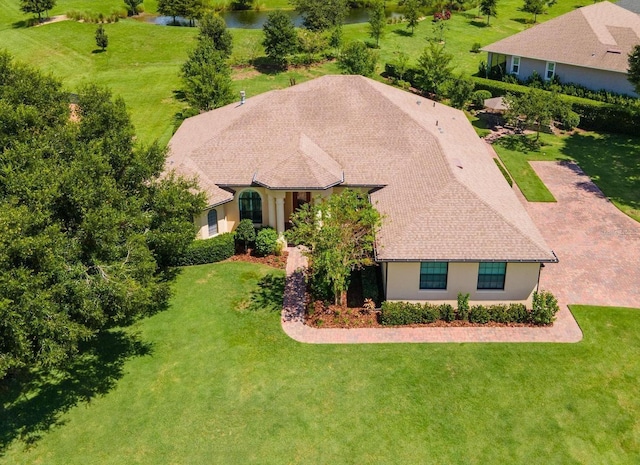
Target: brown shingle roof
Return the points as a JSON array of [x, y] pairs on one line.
[[443, 197], [598, 36]]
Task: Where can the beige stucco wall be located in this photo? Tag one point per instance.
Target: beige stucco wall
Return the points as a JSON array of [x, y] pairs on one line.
[[203, 226], [403, 283]]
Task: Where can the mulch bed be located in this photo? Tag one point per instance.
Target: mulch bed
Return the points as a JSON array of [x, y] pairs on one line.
[[335, 316], [275, 261]]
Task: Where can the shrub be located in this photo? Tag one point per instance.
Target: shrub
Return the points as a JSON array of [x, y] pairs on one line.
[[518, 313], [447, 313], [545, 307], [594, 115], [399, 313], [463, 307], [266, 242], [245, 233], [570, 120], [357, 58], [478, 314], [479, 96], [212, 250], [475, 48], [370, 288], [499, 313], [406, 313]]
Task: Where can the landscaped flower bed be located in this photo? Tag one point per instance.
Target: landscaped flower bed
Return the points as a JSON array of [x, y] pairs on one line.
[[542, 313]]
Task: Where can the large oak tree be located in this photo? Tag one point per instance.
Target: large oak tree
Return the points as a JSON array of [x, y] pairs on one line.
[[88, 226]]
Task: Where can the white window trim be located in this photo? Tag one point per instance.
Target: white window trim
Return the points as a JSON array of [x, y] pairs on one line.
[[513, 65], [546, 70]]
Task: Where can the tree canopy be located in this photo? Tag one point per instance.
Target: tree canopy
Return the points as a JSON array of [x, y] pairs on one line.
[[214, 29], [535, 107], [37, 6], [89, 228], [320, 15], [535, 7], [357, 58], [634, 68], [377, 21], [340, 233], [435, 69], [280, 38], [411, 13], [488, 8], [206, 77]]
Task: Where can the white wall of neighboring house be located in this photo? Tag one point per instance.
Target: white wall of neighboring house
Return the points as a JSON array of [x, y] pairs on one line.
[[594, 79]]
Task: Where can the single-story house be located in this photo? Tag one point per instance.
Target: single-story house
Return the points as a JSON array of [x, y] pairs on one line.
[[587, 46], [451, 222]]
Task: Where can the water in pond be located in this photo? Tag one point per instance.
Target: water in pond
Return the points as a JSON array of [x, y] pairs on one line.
[[251, 19]]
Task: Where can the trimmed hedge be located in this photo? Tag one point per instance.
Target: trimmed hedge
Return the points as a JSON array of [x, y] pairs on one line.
[[266, 242], [212, 250], [545, 306], [594, 115]]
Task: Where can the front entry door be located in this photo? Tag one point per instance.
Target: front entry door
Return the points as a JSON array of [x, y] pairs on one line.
[[300, 198]]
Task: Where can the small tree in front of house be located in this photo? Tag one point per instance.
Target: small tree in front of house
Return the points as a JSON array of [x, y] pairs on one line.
[[245, 233], [339, 232], [102, 40]]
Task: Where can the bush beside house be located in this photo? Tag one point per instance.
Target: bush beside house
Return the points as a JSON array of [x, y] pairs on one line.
[[544, 309], [212, 250]]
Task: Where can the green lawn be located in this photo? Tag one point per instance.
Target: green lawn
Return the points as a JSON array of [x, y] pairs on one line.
[[611, 160], [207, 382], [143, 60]]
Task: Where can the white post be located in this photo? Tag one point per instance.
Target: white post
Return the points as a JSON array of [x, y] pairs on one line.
[[272, 209], [280, 214]]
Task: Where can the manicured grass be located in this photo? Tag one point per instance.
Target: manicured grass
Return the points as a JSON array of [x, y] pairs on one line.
[[213, 383], [611, 160], [143, 60], [516, 152]]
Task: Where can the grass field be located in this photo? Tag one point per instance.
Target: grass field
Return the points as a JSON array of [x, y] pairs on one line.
[[143, 60], [203, 383], [611, 160]]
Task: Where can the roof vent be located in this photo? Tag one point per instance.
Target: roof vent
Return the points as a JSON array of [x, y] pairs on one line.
[[242, 97], [458, 163], [418, 102], [614, 50]]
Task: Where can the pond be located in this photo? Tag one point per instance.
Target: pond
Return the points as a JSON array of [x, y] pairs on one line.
[[251, 19]]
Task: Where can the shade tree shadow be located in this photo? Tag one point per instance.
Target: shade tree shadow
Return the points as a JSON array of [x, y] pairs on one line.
[[33, 403], [269, 294], [612, 161], [403, 32]]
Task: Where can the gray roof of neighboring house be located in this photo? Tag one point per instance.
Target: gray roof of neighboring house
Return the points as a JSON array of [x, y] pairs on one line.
[[631, 5], [597, 36], [442, 196]]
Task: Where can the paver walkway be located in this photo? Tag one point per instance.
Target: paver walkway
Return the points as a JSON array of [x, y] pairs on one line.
[[599, 251]]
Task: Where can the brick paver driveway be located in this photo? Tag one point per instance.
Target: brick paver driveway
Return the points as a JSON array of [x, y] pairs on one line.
[[598, 245]]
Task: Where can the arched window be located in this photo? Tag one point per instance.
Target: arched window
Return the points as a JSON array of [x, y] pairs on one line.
[[212, 221], [250, 204]]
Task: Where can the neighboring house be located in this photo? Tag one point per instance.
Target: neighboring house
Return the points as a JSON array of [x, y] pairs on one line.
[[588, 46], [631, 5], [451, 222]]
